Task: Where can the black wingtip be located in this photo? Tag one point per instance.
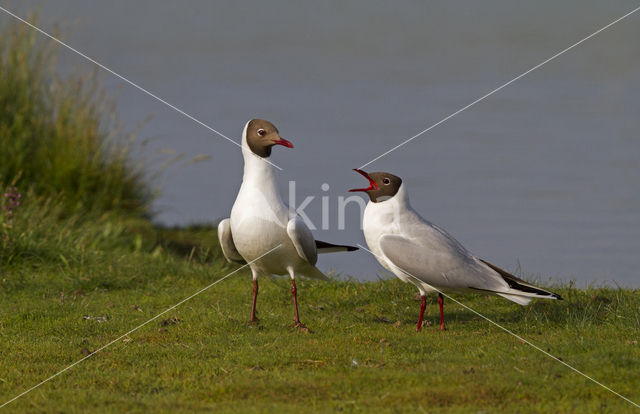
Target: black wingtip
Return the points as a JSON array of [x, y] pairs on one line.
[[324, 245], [519, 284]]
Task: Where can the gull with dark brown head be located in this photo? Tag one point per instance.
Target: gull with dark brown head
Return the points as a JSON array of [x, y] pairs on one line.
[[260, 221], [419, 252]]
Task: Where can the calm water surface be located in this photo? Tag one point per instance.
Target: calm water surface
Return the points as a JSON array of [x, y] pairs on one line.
[[543, 176]]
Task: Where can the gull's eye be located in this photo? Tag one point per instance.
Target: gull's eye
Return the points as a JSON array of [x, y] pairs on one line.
[[262, 132], [386, 181]]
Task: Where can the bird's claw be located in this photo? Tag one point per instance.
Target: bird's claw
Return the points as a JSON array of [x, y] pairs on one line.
[[301, 327]]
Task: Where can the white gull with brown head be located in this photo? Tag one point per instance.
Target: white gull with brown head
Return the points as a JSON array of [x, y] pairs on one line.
[[260, 221], [420, 252]]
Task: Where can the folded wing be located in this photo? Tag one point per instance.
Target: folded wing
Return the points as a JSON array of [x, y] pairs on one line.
[[302, 240], [446, 266], [226, 243]]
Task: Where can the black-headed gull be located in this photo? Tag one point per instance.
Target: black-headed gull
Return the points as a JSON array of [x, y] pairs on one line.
[[419, 252], [260, 221]]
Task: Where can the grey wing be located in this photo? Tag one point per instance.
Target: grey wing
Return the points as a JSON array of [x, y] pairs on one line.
[[302, 240], [226, 242], [438, 262]]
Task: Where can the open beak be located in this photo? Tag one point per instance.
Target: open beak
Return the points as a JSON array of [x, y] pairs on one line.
[[372, 184], [282, 142]]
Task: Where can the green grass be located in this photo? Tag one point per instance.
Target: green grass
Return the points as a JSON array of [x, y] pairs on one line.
[[205, 357], [61, 137]]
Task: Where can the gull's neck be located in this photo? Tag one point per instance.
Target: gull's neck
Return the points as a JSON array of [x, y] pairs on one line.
[[395, 206], [256, 169], [399, 201], [402, 197]]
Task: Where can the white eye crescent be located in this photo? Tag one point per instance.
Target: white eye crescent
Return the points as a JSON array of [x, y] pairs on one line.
[[386, 181], [262, 132]]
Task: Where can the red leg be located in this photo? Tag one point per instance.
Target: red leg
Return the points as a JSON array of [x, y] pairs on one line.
[[294, 292], [440, 302], [423, 305], [255, 298]]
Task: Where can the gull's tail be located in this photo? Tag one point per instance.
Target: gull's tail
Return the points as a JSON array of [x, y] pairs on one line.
[[312, 272], [520, 291]]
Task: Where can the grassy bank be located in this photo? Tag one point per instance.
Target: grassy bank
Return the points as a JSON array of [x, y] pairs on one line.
[[363, 354], [60, 137]]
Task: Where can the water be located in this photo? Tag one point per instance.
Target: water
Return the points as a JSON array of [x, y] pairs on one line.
[[544, 175]]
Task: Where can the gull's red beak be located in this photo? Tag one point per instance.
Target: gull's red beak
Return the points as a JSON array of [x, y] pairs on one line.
[[372, 184], [283, 142]]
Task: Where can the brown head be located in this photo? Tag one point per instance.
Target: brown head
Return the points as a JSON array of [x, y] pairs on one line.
[[262, 135], [382, 185]]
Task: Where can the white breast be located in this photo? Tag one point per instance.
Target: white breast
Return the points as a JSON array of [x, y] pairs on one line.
[[380, 219]]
